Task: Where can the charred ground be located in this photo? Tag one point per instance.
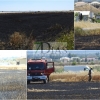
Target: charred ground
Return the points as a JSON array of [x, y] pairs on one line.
[[44, 26], [64, 90]]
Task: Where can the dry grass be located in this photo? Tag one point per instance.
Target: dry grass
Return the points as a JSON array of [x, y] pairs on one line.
[[13, 84], [87, 24], [74, 77], [86, 8], [19, 67]]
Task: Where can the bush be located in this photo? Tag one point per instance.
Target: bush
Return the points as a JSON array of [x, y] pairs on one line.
[[67, 37], [74, 63], [20, 41], [79, 31]]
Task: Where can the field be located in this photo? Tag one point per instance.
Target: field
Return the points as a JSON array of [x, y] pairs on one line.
[[22, 30], [12, 84], [64, 90], [87, 38], [87, 24], [66, 85], [74, 76], [16, 67], [87, 42]]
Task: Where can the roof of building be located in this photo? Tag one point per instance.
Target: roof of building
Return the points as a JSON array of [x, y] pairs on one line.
[[95, 2], [83, 12], [64, 58]]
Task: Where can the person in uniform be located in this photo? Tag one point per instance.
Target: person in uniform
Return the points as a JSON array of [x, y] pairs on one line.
[[90, 76]]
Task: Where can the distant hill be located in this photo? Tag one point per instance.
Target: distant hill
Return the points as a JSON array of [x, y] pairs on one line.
[[87, 7]]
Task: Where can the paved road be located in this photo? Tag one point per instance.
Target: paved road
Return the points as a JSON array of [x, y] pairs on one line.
[[64, 90]]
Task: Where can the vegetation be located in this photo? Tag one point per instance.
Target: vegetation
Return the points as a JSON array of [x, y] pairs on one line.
[[20, 31], [67, 37], [74, 63], [18, 41], [74, 77], [86, 24], [80, 32]]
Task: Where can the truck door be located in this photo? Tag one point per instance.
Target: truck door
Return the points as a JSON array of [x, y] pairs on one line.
[[50, 67]]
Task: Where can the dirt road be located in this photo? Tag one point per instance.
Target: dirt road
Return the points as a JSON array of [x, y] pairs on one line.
[[64, 90]]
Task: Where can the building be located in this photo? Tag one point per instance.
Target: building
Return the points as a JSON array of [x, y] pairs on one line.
[[64, 59], [86, 15], [97, 16], [75, 59], [20, 61], [95, 4], [89, 59], [87, 1]]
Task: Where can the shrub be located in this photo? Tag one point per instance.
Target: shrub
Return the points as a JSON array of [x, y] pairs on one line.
[[20, 41], [79, 31], [67, 37], [74, 63]]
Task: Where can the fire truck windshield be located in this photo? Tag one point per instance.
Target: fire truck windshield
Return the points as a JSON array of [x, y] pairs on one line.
[[35, 66]]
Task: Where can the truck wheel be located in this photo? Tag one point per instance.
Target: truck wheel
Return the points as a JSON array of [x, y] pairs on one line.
[[28, 82], [45, 81]]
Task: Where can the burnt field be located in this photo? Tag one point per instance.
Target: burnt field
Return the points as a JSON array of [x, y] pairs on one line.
[[12, 84], [87, 42], [64, 90], [35, 26]]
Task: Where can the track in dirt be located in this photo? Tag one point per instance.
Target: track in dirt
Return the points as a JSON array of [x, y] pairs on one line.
[[64, 90], [87, 42]]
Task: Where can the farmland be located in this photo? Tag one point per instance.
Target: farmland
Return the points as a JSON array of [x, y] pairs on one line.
[[12, 84], [21, 30], [87, 39], [64, 90], [66, 85]]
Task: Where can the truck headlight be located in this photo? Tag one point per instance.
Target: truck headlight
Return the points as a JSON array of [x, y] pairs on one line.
[[42, 73]]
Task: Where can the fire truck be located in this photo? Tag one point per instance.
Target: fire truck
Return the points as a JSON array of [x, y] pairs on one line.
[[39, 70]]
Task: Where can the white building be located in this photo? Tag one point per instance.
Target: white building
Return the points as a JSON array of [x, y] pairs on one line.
[[87, 1], [75, 59], [89, 59], [64, 59], [86, 14], [97, 17]]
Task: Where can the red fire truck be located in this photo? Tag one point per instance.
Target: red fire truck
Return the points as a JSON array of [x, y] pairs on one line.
[[39, 70]]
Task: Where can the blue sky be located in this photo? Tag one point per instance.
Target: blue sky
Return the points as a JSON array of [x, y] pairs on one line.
[[65, 51], [36, 5]]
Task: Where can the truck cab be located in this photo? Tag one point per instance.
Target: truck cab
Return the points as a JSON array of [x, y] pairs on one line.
[[39, 70]]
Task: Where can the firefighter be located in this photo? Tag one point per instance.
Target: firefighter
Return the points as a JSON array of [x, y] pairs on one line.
[[90, 72]]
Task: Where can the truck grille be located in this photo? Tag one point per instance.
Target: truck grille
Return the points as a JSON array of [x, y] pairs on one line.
[[35, 74]]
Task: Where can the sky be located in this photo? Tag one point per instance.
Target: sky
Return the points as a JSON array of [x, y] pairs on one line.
[[12, 53], [36, 5], [65, 51]]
